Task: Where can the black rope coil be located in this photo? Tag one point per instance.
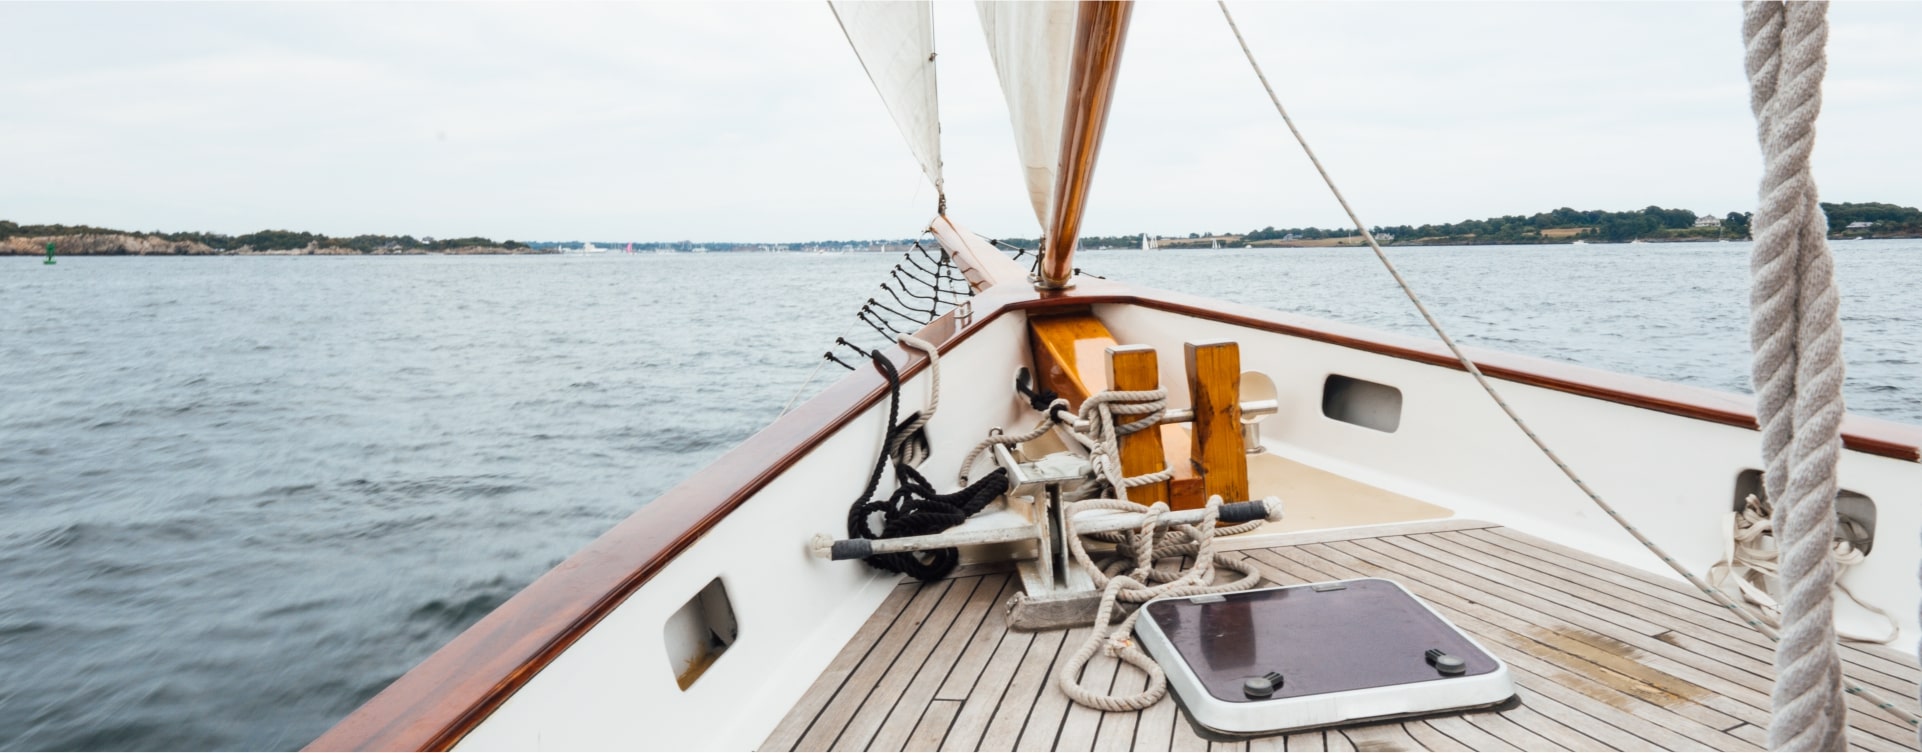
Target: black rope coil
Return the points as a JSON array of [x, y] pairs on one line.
[[915, 508]]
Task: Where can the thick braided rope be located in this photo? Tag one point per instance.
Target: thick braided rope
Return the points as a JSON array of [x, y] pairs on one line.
[[1796, 333], [1142, 582], [1724, 600]]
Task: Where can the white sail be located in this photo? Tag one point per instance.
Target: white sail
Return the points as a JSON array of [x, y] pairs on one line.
[[895, 42], [1032, 43]]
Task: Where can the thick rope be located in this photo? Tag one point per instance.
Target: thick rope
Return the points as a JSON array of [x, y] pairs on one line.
[[1796, 333], [915, 508], [1713, 593], [1130, 575]]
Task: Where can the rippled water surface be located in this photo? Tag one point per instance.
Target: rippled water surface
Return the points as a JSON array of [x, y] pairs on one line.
[[240, 495]]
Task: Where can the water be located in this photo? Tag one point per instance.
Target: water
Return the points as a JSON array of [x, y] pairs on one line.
[[240, 495]]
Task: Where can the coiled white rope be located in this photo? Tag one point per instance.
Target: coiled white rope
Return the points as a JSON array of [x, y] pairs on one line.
[[1469, 365]]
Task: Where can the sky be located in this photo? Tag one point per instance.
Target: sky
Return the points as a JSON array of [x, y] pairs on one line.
[[754, 121]]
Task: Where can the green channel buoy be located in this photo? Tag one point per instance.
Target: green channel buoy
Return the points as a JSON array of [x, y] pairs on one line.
[[50, 253]]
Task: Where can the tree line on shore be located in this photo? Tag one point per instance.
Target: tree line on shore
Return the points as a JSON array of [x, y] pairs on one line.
[[265, 240], [1555, 226]]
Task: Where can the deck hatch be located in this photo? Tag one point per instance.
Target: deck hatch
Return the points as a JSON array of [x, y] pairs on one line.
[[699, 632], [1276, 659], [1361, 402]]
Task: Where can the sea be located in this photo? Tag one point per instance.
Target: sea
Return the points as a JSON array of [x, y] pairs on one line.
[[239, 495]]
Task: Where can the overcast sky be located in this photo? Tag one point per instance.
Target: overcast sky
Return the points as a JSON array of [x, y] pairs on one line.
[[754, 122]]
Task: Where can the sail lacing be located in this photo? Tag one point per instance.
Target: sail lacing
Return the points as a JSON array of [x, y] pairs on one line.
[[1804, 45]]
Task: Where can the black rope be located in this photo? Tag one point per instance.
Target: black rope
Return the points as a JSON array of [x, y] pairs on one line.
[[830, 356], [914, 509], [852, 346], [1039, 397], [876, 323], [915, 317], [1077, 270]]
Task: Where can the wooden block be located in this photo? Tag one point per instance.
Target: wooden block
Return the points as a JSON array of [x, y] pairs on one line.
[[1214, 383], [1134, 367], [1070, 351]]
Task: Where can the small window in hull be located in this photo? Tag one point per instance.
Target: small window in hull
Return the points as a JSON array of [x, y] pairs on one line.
[[699, 632], [1854, 511], [1361, 402]]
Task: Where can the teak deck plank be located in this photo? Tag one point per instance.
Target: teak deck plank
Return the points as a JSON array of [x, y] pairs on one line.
[[1604, 658]]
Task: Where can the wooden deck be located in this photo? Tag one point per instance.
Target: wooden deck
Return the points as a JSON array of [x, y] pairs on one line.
[[1606, 659]]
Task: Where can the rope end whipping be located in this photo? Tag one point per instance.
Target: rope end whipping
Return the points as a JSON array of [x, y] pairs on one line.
[[821, 546]]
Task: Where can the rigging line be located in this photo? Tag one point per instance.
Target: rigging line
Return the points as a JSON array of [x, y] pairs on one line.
[[867, 315], [915, 317], [895, 296], [841, 338], [1468, 364], [918, 282]]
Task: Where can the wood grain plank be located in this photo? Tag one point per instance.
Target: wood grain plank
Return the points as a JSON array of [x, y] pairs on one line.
[[1012, 680], [1740, 682], [932, 728], [1429, 737], [1313, 740], [1386, 736], [1896, 668], [1185, 738], [1079, 726], [962, 679], [788, 732], [1475, 738], [1214, 384], [906, 715], [1135, 367], [1044, 716], [1514, 734], [1117, 728], [835, 715], [887, 688]]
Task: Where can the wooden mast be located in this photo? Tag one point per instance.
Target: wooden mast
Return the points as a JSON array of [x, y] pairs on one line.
[[1101, 26]]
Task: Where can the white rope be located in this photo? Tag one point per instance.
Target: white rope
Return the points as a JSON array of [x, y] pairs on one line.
[[1796, 333], [1750, 557], [1469, 365], [1130, 575]]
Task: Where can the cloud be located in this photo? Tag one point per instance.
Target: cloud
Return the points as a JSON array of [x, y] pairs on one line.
[[753, 121]]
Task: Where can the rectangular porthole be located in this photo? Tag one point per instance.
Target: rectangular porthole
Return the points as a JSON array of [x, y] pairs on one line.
[[1854, 511], [699, 632], [1361, 402]]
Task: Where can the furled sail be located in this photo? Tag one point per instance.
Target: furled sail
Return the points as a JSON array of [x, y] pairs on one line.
[[895, 42], [1031, 43]]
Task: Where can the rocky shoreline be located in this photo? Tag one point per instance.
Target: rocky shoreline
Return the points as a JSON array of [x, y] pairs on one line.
[[122, 244]]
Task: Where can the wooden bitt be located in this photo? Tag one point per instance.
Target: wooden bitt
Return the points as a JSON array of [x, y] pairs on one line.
[[1214, 377], [1069, 352], [1134, 367]]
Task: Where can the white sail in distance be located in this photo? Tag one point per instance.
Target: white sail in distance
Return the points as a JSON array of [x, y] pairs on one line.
[[1032, 43], [895, 42]]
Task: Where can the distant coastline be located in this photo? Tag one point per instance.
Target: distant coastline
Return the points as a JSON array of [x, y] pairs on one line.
[[1562, 226]]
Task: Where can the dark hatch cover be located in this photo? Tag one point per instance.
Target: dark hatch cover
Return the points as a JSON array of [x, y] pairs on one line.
[[1321, 638]]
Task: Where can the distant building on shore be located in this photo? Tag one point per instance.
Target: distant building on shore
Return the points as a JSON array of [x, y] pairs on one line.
[[1859, 226], [1708, 219]]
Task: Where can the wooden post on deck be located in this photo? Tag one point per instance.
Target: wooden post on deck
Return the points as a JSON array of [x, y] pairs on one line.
[[1134, 367], [1214, 384]]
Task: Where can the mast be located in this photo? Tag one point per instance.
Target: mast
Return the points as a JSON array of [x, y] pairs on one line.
[[1101, 27]]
